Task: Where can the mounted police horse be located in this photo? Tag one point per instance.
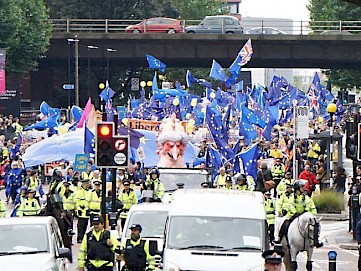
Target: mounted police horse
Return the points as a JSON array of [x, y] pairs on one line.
[[54, 208], [302, 236]]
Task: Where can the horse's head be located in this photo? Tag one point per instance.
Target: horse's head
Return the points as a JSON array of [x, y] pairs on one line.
[[312, 226]]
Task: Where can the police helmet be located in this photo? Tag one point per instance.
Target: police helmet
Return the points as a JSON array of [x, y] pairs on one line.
[[55, 198], [299, 184], [22, 188], [154, 171], [241, 177], [228, 179]]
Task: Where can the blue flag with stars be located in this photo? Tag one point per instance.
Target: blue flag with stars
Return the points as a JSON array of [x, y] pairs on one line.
[[88, 141], [249, 160], [155, 63], [217, 72]]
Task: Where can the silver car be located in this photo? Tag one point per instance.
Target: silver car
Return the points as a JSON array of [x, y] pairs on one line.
[[32, 243], [219, 24]]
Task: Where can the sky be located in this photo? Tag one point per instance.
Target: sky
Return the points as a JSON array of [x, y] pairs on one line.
[[290, 9]]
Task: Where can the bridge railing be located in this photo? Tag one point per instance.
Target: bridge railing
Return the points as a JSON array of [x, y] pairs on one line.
[[289, 27]]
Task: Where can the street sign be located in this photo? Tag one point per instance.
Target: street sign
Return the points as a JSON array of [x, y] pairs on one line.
[[302, 117], [68, 86], [134, 84]]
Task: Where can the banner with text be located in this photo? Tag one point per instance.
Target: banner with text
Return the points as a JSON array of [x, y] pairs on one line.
[[148, 125], [2, 72]]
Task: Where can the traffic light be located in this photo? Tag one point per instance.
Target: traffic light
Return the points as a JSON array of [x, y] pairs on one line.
[[111, 150]]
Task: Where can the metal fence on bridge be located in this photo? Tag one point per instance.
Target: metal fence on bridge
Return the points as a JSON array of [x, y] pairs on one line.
[[294, 28]]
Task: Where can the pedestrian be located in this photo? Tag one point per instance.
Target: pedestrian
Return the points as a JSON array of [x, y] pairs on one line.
[[314, 152], [273, 260], [340, 180], [220, 179], [135, 251], [97, 248], [13, 181], [264, 180], [95, 199], [30, 206], [82, 199], [128, 198], [270, 207], [57, 186], [307, 175], [321, 174]]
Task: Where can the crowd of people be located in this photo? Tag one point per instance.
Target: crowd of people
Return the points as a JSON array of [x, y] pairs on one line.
[[81, 191]]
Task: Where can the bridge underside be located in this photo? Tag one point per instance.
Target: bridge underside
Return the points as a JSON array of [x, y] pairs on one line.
[[185, 50]]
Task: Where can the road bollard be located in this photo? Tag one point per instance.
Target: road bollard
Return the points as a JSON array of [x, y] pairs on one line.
[[332, 255]]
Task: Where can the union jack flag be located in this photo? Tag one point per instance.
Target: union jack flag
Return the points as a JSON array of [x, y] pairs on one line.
[[246, 53], [312, 98]]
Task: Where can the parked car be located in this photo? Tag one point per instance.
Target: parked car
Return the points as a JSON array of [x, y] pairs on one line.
[[157, 25], [32, 243], [219, 24], [265, 30]]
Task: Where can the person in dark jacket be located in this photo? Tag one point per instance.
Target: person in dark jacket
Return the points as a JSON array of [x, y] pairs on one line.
[[340, 180]]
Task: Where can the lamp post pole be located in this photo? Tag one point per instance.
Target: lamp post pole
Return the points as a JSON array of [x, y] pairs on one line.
[[90, 47], [331, 109], [109, 50], [76, 72]]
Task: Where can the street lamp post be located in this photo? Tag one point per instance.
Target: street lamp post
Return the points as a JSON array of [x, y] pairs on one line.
[[109, 50], [90, 47], [76, 48], [331, 109]]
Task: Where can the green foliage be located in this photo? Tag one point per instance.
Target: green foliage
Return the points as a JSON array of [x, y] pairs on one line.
[[336, 10], [110, 9], [24, 32], [329, 201], [198, 9]]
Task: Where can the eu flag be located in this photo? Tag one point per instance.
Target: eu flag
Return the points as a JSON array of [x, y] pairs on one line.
[[217, 72], [155, 63], [249, 160]]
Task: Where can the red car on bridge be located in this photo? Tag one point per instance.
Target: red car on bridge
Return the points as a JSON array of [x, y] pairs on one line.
[[157, 25]]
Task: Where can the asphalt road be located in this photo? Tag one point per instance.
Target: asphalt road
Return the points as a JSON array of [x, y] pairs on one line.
[[333, 233]]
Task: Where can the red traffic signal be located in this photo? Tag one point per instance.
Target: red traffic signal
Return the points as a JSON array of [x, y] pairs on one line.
[[105, 130]]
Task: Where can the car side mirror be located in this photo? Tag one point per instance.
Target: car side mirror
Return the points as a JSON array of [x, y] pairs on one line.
[[64, 252], [153, 248]]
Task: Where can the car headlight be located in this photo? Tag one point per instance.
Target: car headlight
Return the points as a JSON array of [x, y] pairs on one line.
[[171, 267]]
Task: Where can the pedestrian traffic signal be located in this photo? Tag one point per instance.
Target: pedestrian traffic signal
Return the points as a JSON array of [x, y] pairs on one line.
[[111, 150]]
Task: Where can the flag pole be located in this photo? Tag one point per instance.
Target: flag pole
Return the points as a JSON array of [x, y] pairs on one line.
[[294, 168]]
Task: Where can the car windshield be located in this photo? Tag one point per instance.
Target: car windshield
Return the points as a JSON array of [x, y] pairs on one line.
[[190, 181], [15, 239], [152, 222], [220, 233]]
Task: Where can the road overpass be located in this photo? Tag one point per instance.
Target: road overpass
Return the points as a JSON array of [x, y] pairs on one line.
[[188, 50]]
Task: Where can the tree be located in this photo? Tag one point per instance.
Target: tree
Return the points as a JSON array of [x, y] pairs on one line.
[[198, 9], [337, 10], [25, 33]]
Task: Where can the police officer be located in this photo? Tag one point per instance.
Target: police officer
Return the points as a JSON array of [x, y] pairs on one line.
[[97, 248], [241, 182], [287, 180], [229, 185], [284, 201], [273, 260], [95, 199], [278, 171], [128, 198], [2, 209], [68, 198], [153, 183], [270, 208], [57, 187], [300, 203], [358, 238], [135, 251], [30, 206], [82, 199]]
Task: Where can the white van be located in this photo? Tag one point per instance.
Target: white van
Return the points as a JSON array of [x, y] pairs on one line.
[[212, 230], [152, 217]]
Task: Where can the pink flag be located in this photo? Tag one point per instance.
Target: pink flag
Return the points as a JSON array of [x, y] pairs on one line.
[[86, 113], [2, 72]]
